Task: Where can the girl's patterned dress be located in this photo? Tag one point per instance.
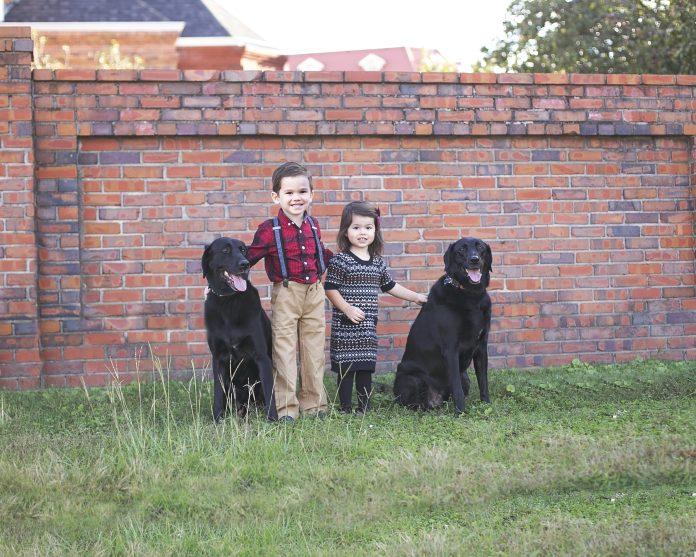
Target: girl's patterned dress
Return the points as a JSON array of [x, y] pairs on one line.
[[354, 345]]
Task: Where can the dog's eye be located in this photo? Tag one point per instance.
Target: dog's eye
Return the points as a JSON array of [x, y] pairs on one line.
[[226, 250]]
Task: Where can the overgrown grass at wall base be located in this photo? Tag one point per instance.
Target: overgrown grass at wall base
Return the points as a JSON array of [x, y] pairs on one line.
[[576, 460]]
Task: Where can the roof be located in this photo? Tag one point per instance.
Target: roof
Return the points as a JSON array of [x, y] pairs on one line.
[[203, 18], [392, 59]]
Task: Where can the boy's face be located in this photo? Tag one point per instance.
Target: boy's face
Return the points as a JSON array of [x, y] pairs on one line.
[[294, 196]]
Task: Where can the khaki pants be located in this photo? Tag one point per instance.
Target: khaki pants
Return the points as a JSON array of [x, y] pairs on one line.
[[298, 310]]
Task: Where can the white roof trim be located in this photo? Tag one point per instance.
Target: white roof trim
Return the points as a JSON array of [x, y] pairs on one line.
[[372, 62], [210, 41], [310, 65], [113, 26], [232, 24]]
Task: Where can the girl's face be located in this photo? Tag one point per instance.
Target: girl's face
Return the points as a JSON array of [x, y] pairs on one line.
[[361, 232]]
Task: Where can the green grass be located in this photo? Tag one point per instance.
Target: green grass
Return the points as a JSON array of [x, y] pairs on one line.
[[576, 460]]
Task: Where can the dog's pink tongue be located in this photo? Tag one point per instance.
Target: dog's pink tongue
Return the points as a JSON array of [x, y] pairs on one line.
[[240, 283], [474, 275]]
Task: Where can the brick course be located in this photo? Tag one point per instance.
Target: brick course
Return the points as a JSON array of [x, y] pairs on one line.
[[583, 185]]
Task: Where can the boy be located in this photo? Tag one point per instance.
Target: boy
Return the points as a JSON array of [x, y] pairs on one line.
[[295, 260]]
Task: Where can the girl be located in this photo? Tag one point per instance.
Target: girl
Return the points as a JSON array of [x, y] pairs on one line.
[[353, 281]]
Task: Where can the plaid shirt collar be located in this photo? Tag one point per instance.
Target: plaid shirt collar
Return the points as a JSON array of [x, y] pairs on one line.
[[285, 221]]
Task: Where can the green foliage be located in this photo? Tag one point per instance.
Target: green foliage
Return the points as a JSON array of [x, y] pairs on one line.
[[433, 61], [588, 36], [43, 60], [110, 59], [581, 460]]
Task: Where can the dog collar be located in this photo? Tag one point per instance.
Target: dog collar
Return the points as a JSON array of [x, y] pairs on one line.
[[208, 289], [452, 282]]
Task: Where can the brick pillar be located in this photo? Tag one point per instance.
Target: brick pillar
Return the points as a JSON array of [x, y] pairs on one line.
[[20, 362], [690, 304]]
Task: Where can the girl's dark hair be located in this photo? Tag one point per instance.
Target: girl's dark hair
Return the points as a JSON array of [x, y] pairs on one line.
[[363, 209], [289, 169]]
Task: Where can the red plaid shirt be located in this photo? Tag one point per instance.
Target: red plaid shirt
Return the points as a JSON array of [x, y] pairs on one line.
[[298, 245]]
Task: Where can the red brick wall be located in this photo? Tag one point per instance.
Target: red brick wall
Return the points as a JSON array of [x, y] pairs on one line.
[[583, 185], [20, 364]]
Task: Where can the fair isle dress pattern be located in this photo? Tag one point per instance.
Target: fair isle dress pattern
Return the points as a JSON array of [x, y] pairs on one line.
[[354, 345]]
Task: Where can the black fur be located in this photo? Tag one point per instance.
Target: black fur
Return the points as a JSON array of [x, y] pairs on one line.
[[239, 333], [450, 331]]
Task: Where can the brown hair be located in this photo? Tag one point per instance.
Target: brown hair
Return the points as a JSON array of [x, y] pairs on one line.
[[363, 209], [289, 169]]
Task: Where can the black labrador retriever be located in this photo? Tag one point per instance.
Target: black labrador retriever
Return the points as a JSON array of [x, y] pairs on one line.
[[450, 330], [239, 331]]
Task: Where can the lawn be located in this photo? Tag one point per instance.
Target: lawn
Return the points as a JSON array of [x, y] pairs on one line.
[[576, 460]]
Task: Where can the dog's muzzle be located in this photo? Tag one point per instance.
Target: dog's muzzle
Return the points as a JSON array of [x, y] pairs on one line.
[[235, 282], [474, 275]]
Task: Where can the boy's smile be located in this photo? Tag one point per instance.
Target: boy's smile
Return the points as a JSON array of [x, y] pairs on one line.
[[294, 197]]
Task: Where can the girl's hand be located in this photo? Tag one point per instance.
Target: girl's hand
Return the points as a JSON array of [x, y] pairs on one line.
[[421, 299], [355, 314]]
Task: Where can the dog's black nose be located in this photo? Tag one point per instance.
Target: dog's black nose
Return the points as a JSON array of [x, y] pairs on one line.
[[244, 265], [474, 259]]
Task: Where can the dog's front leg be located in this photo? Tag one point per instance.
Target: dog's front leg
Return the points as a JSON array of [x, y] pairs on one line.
[[219, 390], [464, 362], [455, 379], [266, 376], [481, 368]]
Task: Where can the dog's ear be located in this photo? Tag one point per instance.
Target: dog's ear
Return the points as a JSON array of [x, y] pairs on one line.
[[448, 254], [488, 256], [205, 266]]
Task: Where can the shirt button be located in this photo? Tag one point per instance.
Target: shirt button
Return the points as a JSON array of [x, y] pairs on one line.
[[305, 262], [303, 247], [306, 278]]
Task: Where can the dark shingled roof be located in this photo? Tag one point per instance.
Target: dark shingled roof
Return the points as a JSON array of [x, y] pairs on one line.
[[200, 22]]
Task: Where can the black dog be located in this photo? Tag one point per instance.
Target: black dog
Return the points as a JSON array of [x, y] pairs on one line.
[[239, 331], [450, 330]]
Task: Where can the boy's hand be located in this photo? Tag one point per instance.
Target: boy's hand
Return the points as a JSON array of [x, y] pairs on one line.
[[355, 314], [421, 299]]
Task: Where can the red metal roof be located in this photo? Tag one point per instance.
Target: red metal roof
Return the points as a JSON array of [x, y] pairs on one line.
[[401, 58]]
